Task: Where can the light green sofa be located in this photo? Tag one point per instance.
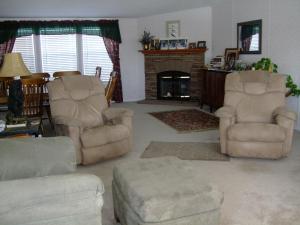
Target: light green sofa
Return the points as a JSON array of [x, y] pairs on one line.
[[38, 184]]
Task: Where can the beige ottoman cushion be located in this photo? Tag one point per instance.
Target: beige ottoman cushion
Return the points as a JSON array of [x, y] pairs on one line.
[[160, 190]]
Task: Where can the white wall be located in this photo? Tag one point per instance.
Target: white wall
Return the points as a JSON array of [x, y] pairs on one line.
[[195, 25], [280, 37], [128, 58]]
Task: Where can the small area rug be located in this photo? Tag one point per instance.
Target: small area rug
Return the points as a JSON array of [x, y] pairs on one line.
[[168, 102], [188, 120], [185, 151]]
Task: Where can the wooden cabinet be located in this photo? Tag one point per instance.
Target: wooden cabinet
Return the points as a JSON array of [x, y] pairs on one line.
[[213, 88]]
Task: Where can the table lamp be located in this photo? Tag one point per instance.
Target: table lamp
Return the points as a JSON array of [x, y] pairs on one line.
[[14, 66]]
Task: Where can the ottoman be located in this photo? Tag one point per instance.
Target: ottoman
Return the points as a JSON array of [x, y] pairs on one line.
[[163, 192]]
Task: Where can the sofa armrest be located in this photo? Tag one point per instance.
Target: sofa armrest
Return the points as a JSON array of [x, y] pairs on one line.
[[284, 112], [113, 113], [62, 199], [63, 120], [116, 116], [225, 112]]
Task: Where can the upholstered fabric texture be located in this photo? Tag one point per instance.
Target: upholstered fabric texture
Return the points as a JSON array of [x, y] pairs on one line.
[[163, 191], [36, 157], [254, 121], [41, 197], [80, 111]]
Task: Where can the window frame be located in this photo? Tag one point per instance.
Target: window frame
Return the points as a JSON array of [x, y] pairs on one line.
[[37, 52]]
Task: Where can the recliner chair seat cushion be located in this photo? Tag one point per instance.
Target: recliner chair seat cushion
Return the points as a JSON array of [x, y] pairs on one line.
[[260, 132], [103, 135]]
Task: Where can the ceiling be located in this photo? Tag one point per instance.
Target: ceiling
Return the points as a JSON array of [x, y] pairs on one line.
[[94, 8]]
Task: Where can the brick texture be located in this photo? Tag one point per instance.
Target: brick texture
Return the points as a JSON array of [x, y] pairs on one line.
[[189, 63]]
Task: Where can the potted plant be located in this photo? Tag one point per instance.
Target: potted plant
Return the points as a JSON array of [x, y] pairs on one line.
[[146, 40], [267, 65]]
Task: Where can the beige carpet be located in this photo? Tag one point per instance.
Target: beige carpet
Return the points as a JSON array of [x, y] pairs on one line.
[[256, 191], [185, 151]]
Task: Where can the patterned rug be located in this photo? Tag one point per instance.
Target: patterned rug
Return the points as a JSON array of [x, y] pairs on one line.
[[188, 120], [185, 151]]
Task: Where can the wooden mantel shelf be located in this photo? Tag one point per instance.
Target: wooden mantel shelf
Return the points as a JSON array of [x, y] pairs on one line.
[[188, 51]]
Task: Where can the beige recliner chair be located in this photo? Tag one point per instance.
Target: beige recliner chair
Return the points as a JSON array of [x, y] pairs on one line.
[[79, 110], [254, 121]]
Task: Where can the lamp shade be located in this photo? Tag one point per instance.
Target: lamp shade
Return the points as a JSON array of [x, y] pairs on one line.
[[13, 66]]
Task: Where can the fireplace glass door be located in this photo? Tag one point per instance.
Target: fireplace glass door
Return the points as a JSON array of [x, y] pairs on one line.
[[173, 85]]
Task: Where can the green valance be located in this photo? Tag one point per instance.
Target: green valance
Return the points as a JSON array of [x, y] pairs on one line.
[[104, 28]]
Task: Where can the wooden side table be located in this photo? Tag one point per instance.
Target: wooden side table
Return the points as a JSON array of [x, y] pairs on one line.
[[213, 88]]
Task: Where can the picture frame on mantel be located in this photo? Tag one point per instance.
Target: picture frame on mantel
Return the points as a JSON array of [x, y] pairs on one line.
[[173, 29]]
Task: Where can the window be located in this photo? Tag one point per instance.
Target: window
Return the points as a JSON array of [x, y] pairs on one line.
[[58, 52], [25, 45], [50, 53], [95, 54]]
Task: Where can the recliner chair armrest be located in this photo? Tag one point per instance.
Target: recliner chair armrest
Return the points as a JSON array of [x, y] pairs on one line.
[[63, 120], [283, 111], [113, 113], [62, 199], [225, 112]]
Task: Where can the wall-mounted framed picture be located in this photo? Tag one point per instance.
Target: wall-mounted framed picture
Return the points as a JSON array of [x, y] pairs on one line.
[[173, 29], [182, 43], [164, 44], [201, 44]]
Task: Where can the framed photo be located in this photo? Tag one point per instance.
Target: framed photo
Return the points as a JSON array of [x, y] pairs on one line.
[[231, 55], [192, 45], [201, 44], [173, 44], [164, 44], [173, 29], [154, 44], [182, 43]]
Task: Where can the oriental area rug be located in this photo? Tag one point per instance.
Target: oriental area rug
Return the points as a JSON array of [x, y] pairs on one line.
[[188, 120], [185, 151]]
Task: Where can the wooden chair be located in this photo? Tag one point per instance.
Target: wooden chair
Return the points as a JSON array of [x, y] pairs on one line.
[[4, 86], [98, 71], [33, 91], [110, 87], [65, 73], [45, 76]]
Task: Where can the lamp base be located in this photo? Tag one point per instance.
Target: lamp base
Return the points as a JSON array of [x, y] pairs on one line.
[[15, 98]]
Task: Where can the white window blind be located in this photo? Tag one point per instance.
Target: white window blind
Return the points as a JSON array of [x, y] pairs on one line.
[[65, 52], [58, 52], [25, 46], [94, 54]]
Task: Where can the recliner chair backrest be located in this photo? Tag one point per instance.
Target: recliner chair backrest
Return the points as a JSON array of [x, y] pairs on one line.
[[80, 98], [254, 94]]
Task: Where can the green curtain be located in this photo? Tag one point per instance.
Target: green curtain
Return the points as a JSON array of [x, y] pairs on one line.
[[104, 28]]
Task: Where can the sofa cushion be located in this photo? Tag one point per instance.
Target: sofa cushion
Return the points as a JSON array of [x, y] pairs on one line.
[[164, 189], [256, 132], [36, 157], [103, 135]]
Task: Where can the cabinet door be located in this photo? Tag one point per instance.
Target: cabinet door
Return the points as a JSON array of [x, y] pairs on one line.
[[220, 89]]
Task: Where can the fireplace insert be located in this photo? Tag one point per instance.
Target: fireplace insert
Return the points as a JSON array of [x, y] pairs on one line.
[[173, 85]]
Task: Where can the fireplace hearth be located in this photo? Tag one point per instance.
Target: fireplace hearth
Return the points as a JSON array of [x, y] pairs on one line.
[[173, 85]]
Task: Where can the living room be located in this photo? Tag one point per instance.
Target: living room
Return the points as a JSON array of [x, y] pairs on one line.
[[256, 191]]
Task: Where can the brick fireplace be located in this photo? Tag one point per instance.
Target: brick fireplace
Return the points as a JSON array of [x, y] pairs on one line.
[[187, 61]]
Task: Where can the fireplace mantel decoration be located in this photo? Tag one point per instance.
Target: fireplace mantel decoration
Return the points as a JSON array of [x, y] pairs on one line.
[[188, 61]]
